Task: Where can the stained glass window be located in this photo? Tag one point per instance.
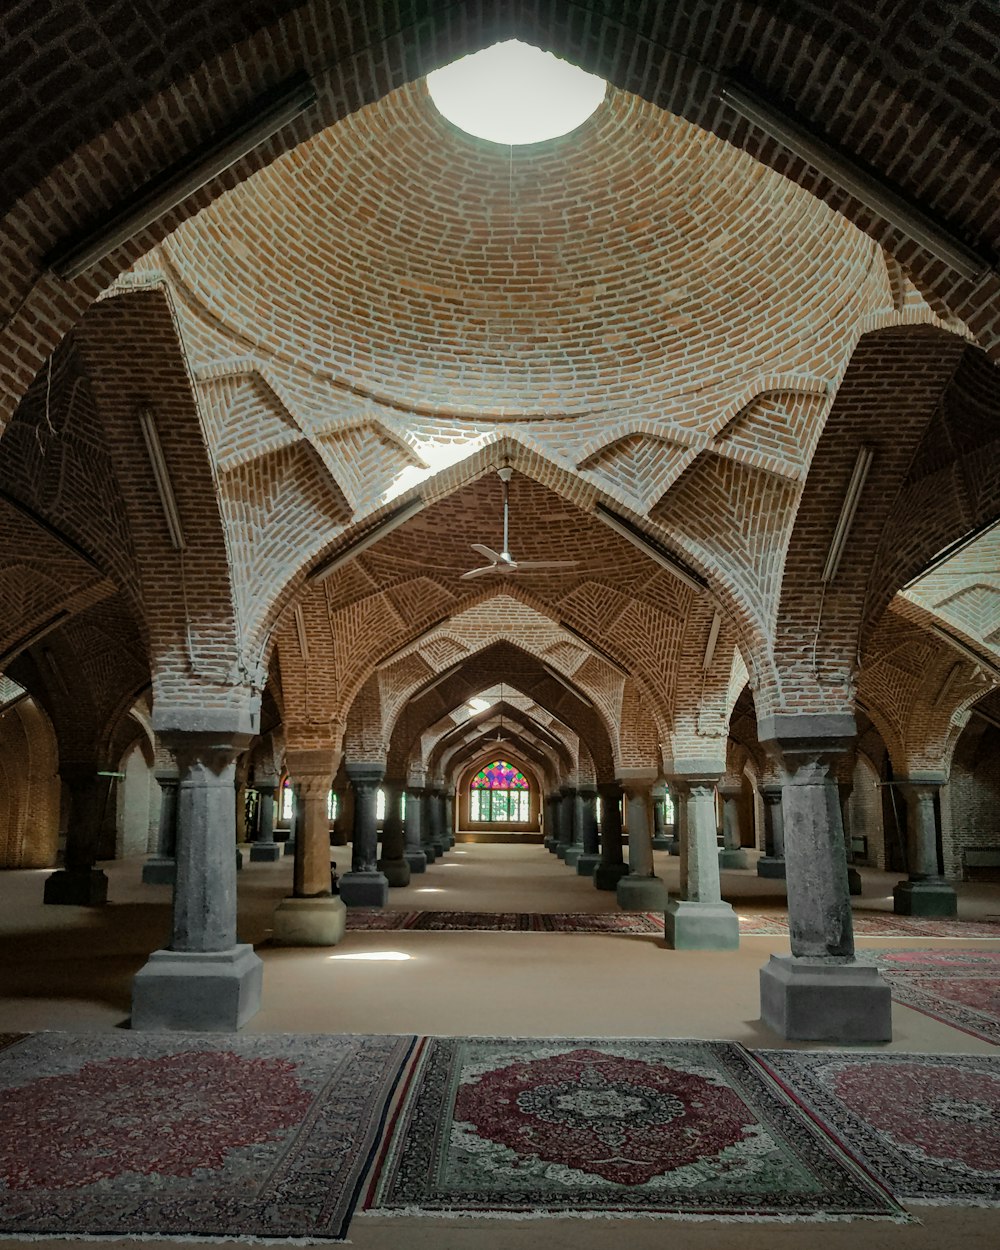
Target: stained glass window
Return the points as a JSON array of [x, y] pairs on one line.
[[499, 793]]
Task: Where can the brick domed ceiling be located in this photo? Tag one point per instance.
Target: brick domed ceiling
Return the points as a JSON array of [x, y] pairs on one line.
[[622, 267]]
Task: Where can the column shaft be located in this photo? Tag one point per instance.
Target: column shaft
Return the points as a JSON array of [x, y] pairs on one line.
[[772, 862], [414, 851], [925, 892], [393, 861], [161, 868], [365, 885], [641, 890], [699, 919]]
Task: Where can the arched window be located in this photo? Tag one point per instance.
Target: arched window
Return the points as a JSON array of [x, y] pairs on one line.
[[499, 793], [285, 811]]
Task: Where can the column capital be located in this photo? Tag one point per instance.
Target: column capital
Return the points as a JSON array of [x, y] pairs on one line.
[[729, 789], [215, 750], [924, 779], [770, 792], [365, 773]]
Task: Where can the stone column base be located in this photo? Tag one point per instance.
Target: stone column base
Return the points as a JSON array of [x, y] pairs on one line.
[[550, 843], [204, 991], [919, 898], [641, 894], [289, 846], [819, 1000], [572, 856], [674, 846], [239, 860], [395, 871], [607, 876], [364, 889], [417, 861], [265, 852], [769, 866], [440, 847], [77, 887], [430, 852], [701, 926], [159, 870], [733, 857], [661, 843], [587, 864], [561, 849], [854, 882], [319, 921]]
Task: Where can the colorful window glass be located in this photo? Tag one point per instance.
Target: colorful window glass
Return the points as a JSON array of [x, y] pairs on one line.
[[499, 793]]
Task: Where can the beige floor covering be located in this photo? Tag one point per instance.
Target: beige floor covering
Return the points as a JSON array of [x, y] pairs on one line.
[[71, 968]]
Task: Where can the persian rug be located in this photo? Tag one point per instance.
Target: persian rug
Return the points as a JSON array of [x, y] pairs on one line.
[[632, 1126], [879, 924], [926, 1126], [960, 988], [142, 1134], [508, 921]]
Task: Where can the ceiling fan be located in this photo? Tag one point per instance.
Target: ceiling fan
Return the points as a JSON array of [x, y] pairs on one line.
[[503, 561]]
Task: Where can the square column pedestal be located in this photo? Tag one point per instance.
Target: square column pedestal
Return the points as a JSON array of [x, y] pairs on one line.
[[805, 999], [701, 926], [205, 991], [364, 889], [309, 921]]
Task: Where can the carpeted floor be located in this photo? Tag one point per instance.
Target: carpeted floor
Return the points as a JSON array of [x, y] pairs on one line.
[[960, 987], [141, 1134], [632, 1126], [927, 1126]]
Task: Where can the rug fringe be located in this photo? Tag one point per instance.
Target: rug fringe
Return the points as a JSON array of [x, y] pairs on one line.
[[818, 1217]]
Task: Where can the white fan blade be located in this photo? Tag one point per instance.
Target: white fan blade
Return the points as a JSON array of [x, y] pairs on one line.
[[546, 564], [489, 568], [488, 552]]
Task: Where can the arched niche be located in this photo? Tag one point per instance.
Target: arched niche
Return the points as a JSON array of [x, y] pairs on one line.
[[498, 830]]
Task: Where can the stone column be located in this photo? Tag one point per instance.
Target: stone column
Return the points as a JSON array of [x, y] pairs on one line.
[[575, 848], [699, 919], [551, 839], [426, 819], [312, 915], [612, 867], [413, 848], [819, 992], [586, 865], [772, 862], [205, 980], [844, 789], [364, 885], [393, 862], [567, 800], [732, 854], [448, 798], [81, 883], [661, 842], [640, 890], [673, 830], [435, 811], [264, 849], [925, 892], [161, 868]]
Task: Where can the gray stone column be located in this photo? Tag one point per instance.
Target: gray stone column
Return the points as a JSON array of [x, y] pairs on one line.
[[413, 848], [673, 830], [435, 810], [612, 867], [732, 854], [313, 915], [565, 821], [448, 798], [699, 919], [393, 862], [575, 848], [206, 980], [264, 849], [819, 992], [81, 883], [661, 840], [641, 890], [551, 839], [854, 885], [586, 865], [364, 885], [161, 868], [925, 892], [772, 862], [426, 820]]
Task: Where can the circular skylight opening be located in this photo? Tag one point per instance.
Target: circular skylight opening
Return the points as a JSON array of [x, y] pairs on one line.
[[513, 94]]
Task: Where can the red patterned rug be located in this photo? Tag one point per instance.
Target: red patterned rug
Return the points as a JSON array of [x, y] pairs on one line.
[[651, 1127], [927, 1126], [960, 988], [139, 1134], [507, 921], [878, 924]]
